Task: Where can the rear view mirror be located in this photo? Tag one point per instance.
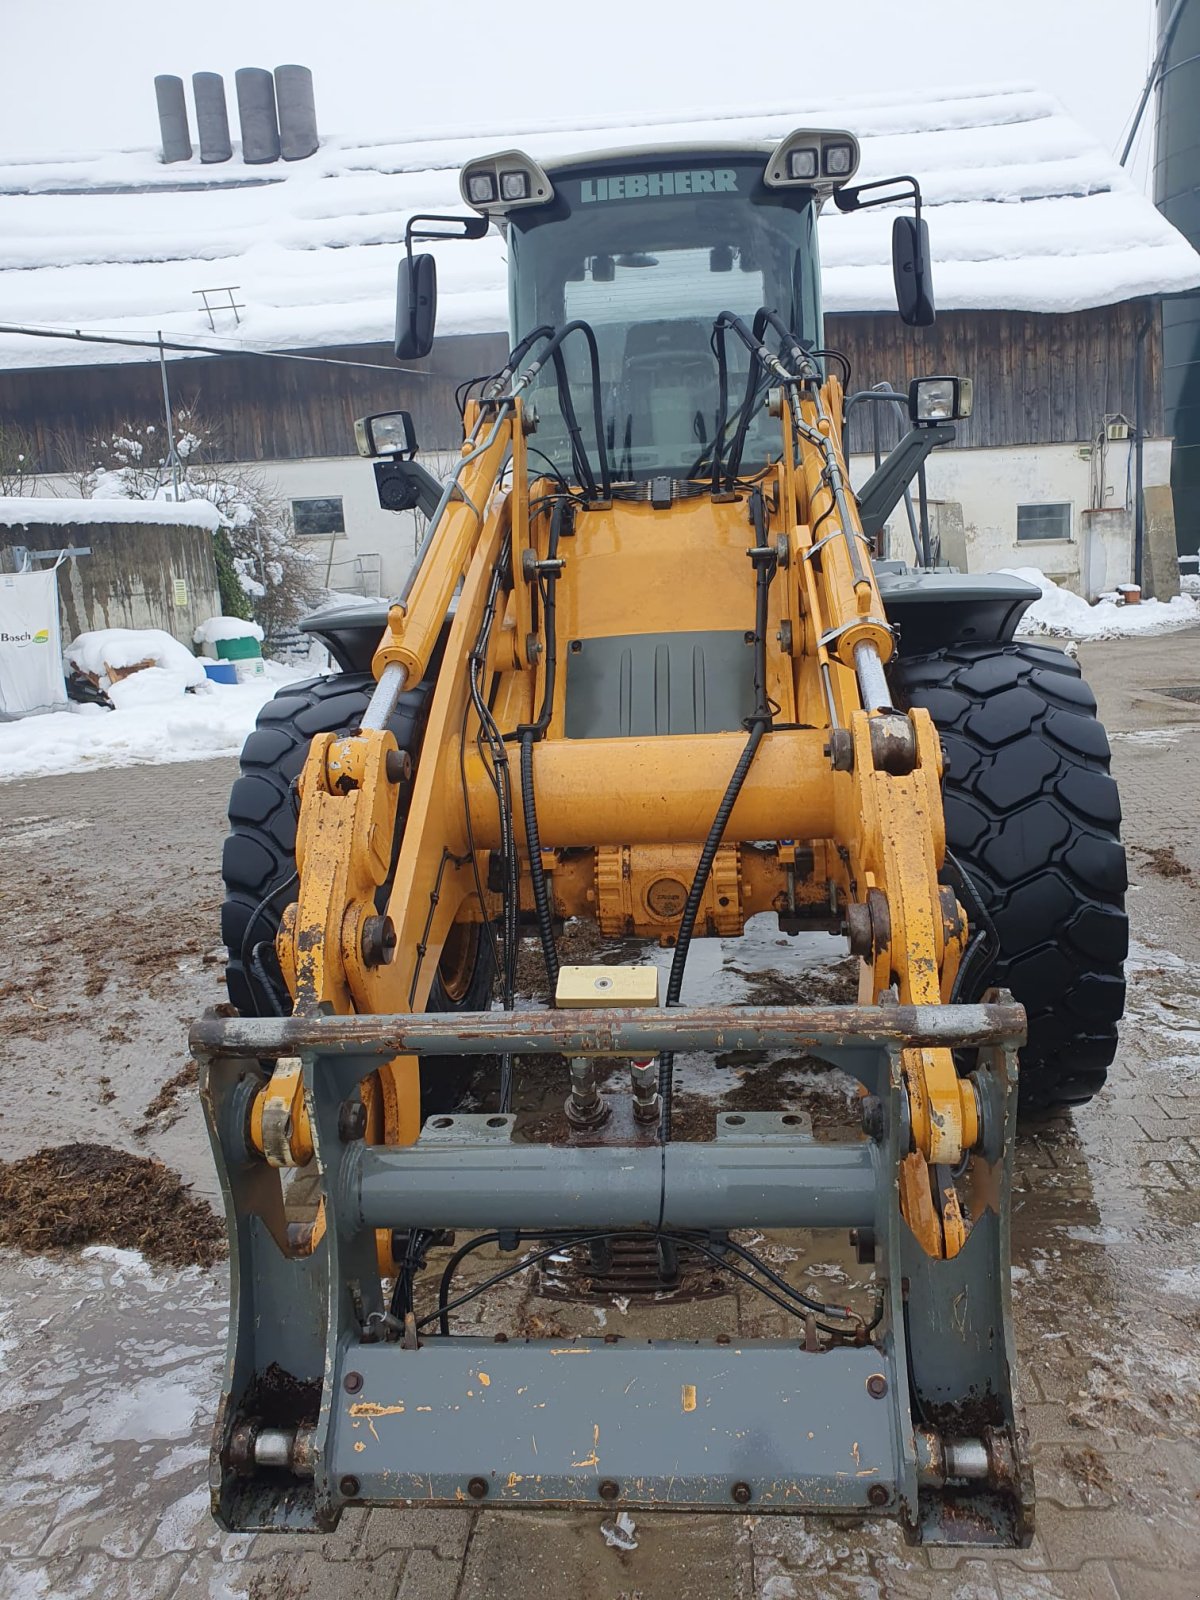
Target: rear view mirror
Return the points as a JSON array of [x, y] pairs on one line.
[[910, 269], [416, 307]]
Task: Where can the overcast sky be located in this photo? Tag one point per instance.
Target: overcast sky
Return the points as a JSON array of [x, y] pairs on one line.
[[76, 75]]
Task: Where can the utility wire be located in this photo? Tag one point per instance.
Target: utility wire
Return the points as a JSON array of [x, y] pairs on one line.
[[78, 336]]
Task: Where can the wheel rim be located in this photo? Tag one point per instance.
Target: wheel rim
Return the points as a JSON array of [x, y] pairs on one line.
[[457, 966]]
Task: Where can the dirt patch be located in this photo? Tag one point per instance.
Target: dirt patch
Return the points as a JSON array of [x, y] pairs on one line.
[[164, 1109], [71, 1195], [1089, 1470], [1163, 860], [821, 986], [579, 944]]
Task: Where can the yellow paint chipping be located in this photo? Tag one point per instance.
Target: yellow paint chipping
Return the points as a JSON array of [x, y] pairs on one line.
[[689, 1397], [592, 1460]]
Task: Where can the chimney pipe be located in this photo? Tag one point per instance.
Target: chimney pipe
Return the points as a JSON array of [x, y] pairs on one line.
[[297, 112], [212, 118], [256, 113], [172, 118]]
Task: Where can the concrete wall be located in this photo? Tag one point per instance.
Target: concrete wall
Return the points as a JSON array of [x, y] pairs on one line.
[[130, 578], [989, 485]]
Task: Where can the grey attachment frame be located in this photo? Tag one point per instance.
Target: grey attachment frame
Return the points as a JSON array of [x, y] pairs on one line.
[[327, 1402]]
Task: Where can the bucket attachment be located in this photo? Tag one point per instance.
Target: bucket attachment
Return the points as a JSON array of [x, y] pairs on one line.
[[330, 1400]]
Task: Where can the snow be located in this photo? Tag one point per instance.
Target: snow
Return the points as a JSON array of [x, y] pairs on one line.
[[219, 629], [1026, 212], [107, 648], [144, 730], [1061, 614], [62, 511]]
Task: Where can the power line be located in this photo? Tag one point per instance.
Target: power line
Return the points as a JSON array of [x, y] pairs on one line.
[[159, 344]]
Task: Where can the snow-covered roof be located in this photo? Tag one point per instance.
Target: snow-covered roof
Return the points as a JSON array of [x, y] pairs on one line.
[[61, 511], [1026, 212]]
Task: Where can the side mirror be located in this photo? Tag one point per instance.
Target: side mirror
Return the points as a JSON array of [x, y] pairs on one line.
[[910, 269], [416, 307]]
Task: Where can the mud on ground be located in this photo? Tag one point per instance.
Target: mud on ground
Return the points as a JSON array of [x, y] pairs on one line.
[[71, 1195], [109, 1374]]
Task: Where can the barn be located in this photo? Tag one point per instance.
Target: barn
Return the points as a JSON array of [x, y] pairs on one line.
[[272, 291]]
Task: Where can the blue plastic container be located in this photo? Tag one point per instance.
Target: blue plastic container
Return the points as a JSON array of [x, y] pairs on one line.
[[221, 671]]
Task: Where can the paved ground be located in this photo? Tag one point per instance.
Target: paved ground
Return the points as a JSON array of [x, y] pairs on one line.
[[108, 897]]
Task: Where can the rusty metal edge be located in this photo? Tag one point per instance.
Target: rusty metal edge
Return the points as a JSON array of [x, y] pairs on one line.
[[614, 1031]]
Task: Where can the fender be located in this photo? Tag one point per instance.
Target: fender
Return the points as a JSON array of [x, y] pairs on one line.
[[933, 609]]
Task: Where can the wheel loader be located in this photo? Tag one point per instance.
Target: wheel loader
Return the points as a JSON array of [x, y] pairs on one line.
[[650, 675]]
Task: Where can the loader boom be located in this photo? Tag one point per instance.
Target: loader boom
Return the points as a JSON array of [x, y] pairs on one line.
[[659, 701]]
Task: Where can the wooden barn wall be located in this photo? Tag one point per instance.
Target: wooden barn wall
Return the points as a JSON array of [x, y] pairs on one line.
[[261, 409], [1038, 380]]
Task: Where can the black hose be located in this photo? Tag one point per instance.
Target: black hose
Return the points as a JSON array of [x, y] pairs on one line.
[[537, 876], [579, 455], [531, 731]]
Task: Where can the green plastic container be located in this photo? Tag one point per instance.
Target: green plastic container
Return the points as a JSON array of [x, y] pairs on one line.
[[238, 649]]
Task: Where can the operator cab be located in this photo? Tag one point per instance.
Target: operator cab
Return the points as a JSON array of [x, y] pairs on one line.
[[649, 250]]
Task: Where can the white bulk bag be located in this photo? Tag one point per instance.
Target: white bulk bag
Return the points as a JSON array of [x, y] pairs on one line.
[[31, 671]]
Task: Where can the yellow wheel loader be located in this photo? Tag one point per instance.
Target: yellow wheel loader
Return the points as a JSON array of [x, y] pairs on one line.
[[647, 672]]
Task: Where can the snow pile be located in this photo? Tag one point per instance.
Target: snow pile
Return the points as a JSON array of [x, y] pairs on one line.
[[1063, 615], [109, 650], [146, 729], [30, 511], [220, 629], [1027, 213]]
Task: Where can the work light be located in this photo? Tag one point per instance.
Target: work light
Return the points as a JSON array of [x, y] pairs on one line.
[[838, 160], [803, 163], [481, 188], [940, 399]]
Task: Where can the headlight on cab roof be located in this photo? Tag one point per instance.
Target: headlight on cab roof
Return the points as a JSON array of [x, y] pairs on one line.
[[940, 399], [496, 184], [820, 158]]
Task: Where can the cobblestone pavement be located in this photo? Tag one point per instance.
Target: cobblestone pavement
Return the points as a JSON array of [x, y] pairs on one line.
[[108, 1369]]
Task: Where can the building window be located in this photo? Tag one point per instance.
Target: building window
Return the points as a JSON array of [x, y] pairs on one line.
[[1044, 522], [319, 518]]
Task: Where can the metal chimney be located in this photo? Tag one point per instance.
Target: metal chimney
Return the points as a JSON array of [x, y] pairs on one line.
[[1177, 196], [212, 118], [256, 113], [172, 118], [297, 112]]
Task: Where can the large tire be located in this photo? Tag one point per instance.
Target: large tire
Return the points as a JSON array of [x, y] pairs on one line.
[[1033, 818], [259, 854]]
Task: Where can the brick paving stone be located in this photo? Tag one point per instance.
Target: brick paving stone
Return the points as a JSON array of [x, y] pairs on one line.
[[1135, 1582], [514, 1556], [341, 1545], [1075, 1535], [430, 1577], [311, 1577], [1093, 1581], [107, 1579], [445, 1532]]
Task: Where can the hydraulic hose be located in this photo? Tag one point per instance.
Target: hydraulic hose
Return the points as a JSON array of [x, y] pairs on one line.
[[532, 731], [537, 877]]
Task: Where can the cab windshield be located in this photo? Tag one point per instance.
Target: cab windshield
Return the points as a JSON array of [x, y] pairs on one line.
[[649, 253]]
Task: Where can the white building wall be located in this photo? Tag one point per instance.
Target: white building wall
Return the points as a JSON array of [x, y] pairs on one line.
[[990, 484], [374, 553]]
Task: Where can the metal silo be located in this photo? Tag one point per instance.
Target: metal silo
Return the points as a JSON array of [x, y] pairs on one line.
[[1177, 195]]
